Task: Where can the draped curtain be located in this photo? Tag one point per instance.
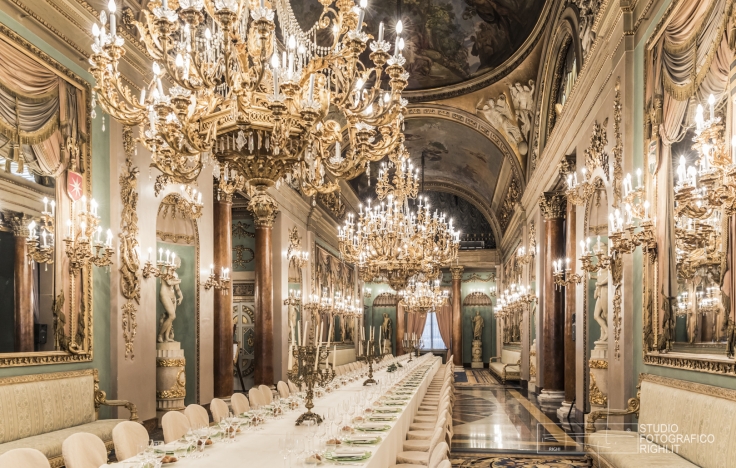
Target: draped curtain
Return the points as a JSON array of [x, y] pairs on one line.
[[39, 111], [415, 324], [444, 322], [689, 60]]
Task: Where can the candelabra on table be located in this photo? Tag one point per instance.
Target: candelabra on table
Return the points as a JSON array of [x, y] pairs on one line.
[[414, 344], [305, 372], [370, 358]]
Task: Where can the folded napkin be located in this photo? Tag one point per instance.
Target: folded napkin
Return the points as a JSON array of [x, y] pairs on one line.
[[372, 426], [348, 451], [360, 438]]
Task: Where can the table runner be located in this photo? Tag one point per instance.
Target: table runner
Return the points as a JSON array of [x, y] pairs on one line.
[[260, 448]]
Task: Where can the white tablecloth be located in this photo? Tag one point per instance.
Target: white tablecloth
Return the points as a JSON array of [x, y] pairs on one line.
[[260, 448]]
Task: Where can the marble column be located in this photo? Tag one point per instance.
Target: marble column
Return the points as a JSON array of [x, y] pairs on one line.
[[400, 330], [23, 285], [223, 301], [264, 211], [552, 206], [570, 303], [457, 314]]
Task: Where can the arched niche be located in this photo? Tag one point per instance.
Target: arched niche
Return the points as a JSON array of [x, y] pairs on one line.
[[384, 303], [483, 304], [177, 232]]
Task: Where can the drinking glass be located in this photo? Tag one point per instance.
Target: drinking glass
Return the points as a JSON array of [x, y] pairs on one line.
[[203, 434], [283, 449]]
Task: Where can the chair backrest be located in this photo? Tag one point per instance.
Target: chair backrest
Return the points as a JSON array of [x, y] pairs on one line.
[[83, 450], [438, 455], [128, 437], [197, 416], [445, 464], [25, 457], [267, 394], [283, 389], [292, 387], [255, 397], [240, 403], [436, 438], [175, 424], [219, 409]]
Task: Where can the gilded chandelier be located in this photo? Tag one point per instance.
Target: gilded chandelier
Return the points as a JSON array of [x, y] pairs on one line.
[[256, 106], [421, 297], [390, 240], [513, 299]]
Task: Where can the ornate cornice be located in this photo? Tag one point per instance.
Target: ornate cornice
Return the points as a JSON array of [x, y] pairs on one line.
[[552, 205], [598, 364], [692, 363]]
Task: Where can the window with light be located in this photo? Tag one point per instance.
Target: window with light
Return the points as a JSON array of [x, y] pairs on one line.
[[431, 337]]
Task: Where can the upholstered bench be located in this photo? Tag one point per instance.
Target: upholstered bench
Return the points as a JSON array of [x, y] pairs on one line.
[[41, 410], [507, 367], [680, 425]]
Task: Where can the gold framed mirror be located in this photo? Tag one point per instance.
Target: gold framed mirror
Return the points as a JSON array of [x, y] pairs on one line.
[[45, 164]]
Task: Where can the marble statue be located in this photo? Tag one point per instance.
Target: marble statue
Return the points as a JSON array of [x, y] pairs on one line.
[[170, 297], [292, 320], [477, 326], [600, 311], [386, 327]]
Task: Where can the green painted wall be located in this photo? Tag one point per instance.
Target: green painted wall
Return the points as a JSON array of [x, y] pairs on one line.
[[244, 241], [185, 324], [489, 322], [374, 316], [638, 114], [100, 191]]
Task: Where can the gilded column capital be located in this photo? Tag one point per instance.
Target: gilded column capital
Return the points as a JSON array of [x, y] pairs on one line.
[[19, 225], [457, 272], [264, 209], [553, 205], [567, 165]]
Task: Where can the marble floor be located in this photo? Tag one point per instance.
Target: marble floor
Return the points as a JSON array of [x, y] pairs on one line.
[[490, 417]]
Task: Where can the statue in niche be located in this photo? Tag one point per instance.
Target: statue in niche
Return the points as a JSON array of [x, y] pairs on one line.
[[600, 311], [386, 327], [292, 320], [477, 326], [170, 297], [349, 330]]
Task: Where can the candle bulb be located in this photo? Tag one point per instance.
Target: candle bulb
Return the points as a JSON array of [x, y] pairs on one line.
[[160, 255], [113, 21], [711, 104], [380, 32], [45, 204], [361, 15]]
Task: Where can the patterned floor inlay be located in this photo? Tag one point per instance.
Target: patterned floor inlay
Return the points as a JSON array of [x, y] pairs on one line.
[[499, 418], [515, 461], [474, 377]]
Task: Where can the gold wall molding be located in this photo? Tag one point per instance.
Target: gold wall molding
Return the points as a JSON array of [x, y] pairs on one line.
[[240, 260], [596, 395], [174, 362], [692, 363], [476, 277], [598, 364], [130, 282], [618, 149], [240, 230]]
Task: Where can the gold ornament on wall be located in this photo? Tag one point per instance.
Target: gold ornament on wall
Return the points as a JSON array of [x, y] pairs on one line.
[[130, 286]]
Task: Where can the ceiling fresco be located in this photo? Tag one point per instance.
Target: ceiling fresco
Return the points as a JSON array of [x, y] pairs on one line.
[[453, 153], [446, 41]]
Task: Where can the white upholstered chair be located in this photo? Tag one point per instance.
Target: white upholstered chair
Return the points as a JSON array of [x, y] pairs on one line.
[[292, 387], [128, 437], [175, 425], [283, 389], [240, 403], [83, 450], [267, 394], [439, 453], [25, 457], [255, 396], [197, 416], [219, 409]]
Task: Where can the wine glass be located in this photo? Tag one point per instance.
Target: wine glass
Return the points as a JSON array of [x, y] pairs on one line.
[[284, 449], [203, 434]]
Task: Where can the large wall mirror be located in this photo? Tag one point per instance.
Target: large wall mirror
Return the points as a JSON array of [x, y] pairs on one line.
[[689, 301], [45, 311]]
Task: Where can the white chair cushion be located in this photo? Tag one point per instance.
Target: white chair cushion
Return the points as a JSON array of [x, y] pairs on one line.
[[415, 458], [25, 457], [83, 450], [197, 416], [219, 409], [175, 425], [128, 437], [624, 449], [240, 403]]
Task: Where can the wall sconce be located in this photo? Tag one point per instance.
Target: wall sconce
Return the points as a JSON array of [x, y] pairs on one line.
[[41, 248], [83, 243], [564, 277], [193, 199], [579, 193], [633, 227], [223, 283], [525, 257], [594, 259], [164, 269]]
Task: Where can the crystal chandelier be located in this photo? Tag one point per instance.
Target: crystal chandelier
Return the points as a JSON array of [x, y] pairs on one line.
[[268, 112], [513, 299], [420, 297], [389, 240]]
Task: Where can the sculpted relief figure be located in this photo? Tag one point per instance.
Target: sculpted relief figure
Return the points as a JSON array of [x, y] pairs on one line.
[[600, 312], [170, 297], [514, 118]]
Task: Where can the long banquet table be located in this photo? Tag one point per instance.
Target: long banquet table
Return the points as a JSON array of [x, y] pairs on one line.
[[260, 448]]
